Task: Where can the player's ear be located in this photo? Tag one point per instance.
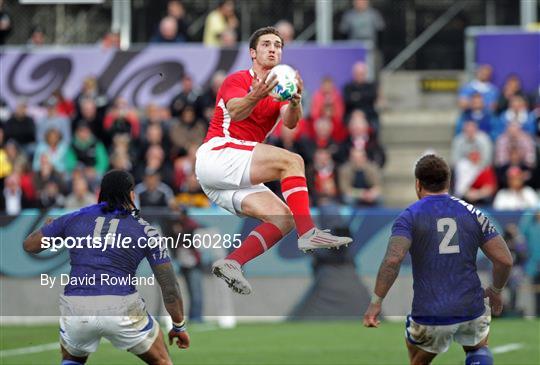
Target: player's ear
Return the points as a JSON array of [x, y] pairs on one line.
[[252, 53]]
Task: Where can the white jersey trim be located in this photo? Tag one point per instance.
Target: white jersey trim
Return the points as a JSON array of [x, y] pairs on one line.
[[226, 118]]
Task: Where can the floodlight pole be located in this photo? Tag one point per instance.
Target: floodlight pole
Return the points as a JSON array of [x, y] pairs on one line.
[[323, 16], [528, 12], [121, 21]]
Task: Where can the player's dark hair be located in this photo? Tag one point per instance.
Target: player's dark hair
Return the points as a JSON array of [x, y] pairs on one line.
[[433, 173], [254, 39], [115, 190]]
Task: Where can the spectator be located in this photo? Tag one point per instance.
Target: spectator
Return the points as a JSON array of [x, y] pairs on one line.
[[206, 101], [184, 167], [155, 161], [472, 139], [511, 88], [80, 196], [187, 130], [516, 159], [12, 195], [154, 136], [121, 118], [323, 178], [90, 90], [362, 137], [167, 32], [362, 94], [474, 182], [192, 195], [37, 37], [49, 185], [478, 113], [327, 101], [517, 112], [481, 85], [362, 22], [176, 10], [5, 23], [121, 161], [89, 115], [360, 180], [188, 96], [15, 156], [5, 111], [323, 139], [87, 152], [5, 163], [152, 192], [218, 21], [111, 40], [515, 138], [517, 196], [286, 30], [64, 107], [21, 127], [155, 114], [54, 148], [53, 120], [227, 38]]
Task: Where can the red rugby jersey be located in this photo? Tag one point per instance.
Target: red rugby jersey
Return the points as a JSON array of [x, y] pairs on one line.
[[257, 126]]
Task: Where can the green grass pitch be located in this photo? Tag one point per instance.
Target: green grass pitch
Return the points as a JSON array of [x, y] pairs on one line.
[[312, 343]]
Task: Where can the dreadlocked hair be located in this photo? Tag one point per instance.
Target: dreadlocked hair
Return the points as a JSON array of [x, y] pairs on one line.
[[115, 192]]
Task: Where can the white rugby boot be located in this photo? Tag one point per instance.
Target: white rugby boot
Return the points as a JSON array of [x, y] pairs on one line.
[[317, 238], [231, 272]]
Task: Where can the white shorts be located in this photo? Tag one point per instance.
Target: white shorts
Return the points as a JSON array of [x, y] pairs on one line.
[[223, 168], [437, 338], [123, 320]]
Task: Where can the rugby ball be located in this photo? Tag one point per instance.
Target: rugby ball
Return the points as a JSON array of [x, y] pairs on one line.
[[286, 77]]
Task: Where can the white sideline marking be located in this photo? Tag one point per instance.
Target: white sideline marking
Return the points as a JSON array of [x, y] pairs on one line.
[[56, 345], [507, 348], [30, 350]]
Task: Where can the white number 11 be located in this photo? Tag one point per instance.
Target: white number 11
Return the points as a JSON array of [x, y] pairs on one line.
[[444, 246]]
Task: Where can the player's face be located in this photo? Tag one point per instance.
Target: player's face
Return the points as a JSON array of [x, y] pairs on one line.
[[268, 52]]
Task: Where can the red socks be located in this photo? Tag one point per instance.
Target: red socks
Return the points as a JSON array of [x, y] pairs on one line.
[[295, 192], [257, 242]]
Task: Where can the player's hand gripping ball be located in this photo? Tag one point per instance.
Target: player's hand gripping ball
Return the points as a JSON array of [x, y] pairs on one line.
[[286, 87]]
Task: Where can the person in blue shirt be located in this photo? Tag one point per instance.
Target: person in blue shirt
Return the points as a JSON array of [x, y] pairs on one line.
[[443, 235], [101, 299]]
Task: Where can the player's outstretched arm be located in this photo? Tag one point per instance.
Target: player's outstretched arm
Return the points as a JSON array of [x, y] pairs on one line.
[[241, 108], [292, 112], [170, 290], [497, 252], [388, 272], [32, 243]]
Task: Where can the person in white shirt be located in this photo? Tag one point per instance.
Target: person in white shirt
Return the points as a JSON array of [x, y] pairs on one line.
[[517, 196]]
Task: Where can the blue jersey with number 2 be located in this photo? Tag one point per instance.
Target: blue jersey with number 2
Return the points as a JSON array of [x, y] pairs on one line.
[[445, 235], [119, 263]]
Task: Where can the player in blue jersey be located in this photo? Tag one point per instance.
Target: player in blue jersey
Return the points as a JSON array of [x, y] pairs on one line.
[[112, 308], [443, 235]]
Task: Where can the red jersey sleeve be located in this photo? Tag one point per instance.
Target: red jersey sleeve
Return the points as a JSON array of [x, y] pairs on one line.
[[233, 87]]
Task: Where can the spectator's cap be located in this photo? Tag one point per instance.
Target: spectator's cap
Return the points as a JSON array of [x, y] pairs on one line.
[[514, 171]]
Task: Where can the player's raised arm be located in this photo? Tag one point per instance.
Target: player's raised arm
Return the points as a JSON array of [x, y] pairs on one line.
[[33, 243], [292, 112], [241, 107], [172, 298], [388, 272], [497, 252]]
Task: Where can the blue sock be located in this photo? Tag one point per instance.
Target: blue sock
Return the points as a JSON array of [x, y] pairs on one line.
[[71, 362], [482, 356]]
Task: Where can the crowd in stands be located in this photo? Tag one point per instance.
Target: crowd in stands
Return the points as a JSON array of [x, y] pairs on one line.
[[54, 154], [495, 150]]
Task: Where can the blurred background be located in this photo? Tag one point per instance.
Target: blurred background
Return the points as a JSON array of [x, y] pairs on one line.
[[386, 82]]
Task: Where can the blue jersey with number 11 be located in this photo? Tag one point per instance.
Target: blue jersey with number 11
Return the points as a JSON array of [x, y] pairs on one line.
[[445, 235]]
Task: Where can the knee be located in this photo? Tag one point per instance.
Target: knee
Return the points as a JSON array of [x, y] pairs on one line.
[[294, 161], [164, 361]]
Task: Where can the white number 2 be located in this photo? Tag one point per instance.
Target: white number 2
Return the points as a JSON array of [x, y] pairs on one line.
[[444, 246]]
